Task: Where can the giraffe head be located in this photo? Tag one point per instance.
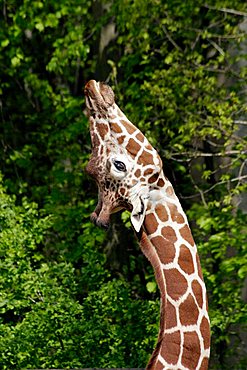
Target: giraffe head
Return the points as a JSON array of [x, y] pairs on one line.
[[125, 166]]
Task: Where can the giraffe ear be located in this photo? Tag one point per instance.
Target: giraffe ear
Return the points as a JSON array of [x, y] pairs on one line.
[[138, 212]]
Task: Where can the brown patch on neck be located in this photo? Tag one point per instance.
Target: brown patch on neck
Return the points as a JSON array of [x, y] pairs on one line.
[[165, 249], [197, 291], [161, 183], [140, 137], [199, 266], [170, 350], [205, 330], [133, 147], [186, 234], [191, 350], [176, 283], [188, 311], [171, 315], [115, 127], [185, 260], [164, 244], [175, 215], [129, 126], [161, 212], [148, 146], [169, 234], [150, 223], [153, 178], [145, 158], [204, 365]]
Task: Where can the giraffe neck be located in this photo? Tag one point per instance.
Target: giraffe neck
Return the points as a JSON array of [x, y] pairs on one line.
[[166, 240]]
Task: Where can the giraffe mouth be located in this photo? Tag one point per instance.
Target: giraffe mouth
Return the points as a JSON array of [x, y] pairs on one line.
[[101, 215], [96, 220]]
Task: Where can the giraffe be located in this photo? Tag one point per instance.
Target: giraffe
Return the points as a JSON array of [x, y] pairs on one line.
[[129, 175]]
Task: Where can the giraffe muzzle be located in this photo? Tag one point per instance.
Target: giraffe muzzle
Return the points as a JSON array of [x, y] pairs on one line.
[[99, 96], [100, 222]]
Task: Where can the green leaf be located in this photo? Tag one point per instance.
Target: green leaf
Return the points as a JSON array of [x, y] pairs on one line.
[[151, 286]]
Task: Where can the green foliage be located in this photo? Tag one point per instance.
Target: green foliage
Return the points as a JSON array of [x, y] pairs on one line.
[[52, 314], [222, 232], [177, 68]]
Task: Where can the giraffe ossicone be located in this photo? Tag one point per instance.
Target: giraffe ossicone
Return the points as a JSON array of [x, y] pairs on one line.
[[129, 174]]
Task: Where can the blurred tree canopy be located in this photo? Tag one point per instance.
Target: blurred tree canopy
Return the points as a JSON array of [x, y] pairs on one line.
[[72, 295]]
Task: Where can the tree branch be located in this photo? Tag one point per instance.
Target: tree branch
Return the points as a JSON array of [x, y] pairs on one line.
[[217, 47], [226, 10], [240, 122], [192, 155], [170, 38], [203, 192]]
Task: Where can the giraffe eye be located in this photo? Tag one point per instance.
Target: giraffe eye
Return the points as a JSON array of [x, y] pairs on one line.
[[120, 166]]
